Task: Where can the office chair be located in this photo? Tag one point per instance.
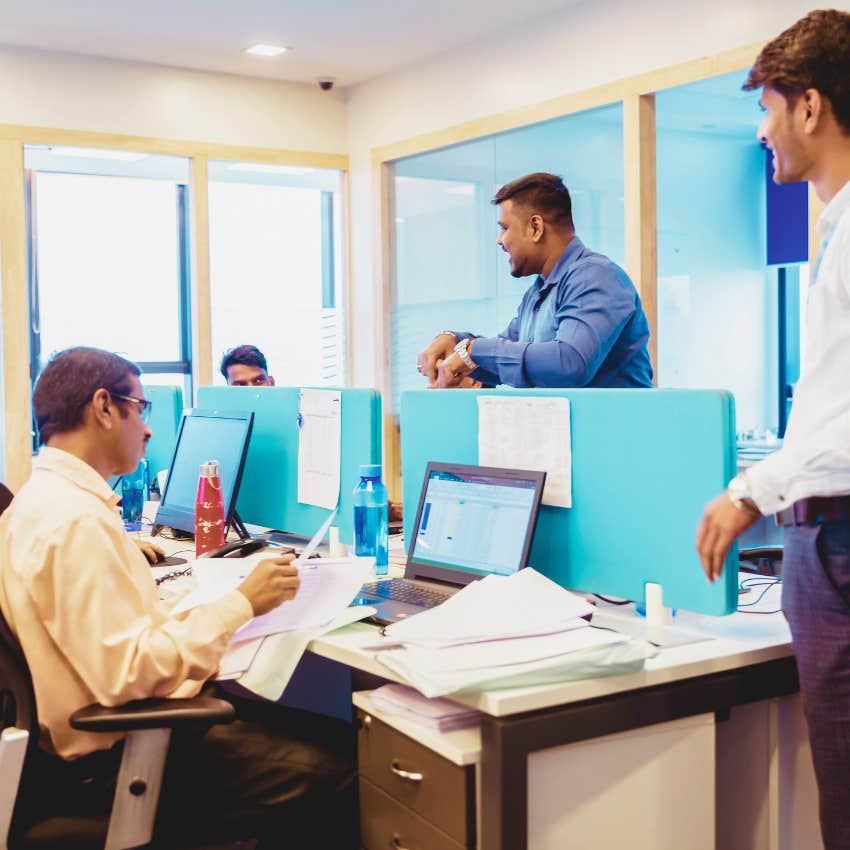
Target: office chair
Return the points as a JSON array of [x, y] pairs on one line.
[[149, 724]]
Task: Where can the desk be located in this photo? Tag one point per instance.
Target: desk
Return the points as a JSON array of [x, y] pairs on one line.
[[705, 748]]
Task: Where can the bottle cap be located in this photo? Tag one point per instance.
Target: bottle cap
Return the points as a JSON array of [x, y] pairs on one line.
[[210, 469], [370, 470]]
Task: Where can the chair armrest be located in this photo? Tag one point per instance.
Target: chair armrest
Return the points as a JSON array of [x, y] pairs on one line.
[[153, 714]]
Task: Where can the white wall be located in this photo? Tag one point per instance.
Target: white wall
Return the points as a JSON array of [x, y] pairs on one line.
[[585, 46], [84, 93]]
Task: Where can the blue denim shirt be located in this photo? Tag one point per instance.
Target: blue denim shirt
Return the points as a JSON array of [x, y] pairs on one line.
[[583, 326]]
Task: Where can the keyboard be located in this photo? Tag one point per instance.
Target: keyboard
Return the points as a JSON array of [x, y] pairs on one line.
[[405, 591]]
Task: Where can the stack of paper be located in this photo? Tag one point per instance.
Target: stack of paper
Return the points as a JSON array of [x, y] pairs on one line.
[[504, 631], [441, 715]]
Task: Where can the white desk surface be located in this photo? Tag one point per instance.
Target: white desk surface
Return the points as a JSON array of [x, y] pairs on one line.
[[735, 641]]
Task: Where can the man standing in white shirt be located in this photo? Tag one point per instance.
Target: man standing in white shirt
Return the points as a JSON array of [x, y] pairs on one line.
[[805, 77], [80, 598]]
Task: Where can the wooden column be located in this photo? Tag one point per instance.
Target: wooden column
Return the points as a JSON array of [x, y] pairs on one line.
[[17, 418], [199, 229], [640, 208]]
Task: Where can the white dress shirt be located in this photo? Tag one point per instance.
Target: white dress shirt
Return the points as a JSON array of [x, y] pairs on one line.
[[79, 595], [815, 457]]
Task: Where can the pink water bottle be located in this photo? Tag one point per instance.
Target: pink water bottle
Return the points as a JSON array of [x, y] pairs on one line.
[[209, 510]]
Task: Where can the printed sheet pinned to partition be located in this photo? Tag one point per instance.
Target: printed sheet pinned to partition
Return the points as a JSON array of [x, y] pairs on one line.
[[320, 435], [525, 432]]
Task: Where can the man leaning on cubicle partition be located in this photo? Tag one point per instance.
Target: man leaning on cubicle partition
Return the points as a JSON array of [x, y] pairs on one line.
[[81, 600], [804, 75], [246, 366], [580, 324]]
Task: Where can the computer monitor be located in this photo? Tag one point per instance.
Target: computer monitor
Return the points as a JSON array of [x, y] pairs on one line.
[[473, 521], [221, 435]]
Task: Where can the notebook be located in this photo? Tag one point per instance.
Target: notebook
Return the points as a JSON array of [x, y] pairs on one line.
[[471, 521]]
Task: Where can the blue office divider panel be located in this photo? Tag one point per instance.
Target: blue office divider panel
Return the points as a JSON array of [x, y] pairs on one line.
[[166, 412], [645, 463], [268, 495]]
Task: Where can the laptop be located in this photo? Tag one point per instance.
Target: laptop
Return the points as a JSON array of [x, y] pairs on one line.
[[472, 521]]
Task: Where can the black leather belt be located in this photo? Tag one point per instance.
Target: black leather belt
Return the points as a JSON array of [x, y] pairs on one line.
[[816, 509]]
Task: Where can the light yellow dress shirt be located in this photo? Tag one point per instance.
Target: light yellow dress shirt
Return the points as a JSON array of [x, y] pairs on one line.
[[80, 597]]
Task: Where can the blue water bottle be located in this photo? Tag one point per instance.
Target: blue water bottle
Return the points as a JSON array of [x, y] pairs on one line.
[[370, 517], [135, 491]]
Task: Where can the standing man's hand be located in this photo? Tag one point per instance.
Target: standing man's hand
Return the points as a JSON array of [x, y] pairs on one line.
[[440, 348], [720, 525]]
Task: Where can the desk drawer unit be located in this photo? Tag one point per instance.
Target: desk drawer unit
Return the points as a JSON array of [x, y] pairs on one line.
[[385, 824], [422, 785]]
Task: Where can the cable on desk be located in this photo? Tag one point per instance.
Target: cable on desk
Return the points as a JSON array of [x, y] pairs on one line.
[[611, 601], [755, 582]]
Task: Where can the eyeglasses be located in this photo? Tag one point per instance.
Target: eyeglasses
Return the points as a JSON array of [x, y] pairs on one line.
[[144, 404]]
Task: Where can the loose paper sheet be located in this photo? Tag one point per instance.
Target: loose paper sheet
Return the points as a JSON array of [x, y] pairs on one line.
[[523, 432], [319, 421]]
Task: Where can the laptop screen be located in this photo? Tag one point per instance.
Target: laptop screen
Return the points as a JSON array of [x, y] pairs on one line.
[[476, 519]]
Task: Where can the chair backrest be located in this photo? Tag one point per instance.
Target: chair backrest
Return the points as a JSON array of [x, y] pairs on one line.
[[5, 497], [17, 700]]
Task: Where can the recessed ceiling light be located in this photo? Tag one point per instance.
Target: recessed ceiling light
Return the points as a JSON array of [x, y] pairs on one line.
[[266, 50], [268, 168]]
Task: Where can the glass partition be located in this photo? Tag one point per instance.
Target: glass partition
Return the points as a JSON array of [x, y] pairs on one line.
[[725, 318], [450, 274]]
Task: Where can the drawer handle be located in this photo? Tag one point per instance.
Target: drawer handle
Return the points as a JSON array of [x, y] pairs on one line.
[[396, 843], [410, 776]]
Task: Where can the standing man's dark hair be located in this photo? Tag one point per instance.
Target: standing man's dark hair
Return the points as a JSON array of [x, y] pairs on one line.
[[804, 74], [542, 193], [813, 53], [68, 382], [246, 366]]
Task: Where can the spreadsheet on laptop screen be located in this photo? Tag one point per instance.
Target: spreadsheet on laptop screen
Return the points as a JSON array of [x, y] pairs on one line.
[[474, 522]]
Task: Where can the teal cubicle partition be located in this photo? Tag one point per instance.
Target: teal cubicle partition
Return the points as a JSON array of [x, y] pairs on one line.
[[644, 464], [166, 412], [268, 494]]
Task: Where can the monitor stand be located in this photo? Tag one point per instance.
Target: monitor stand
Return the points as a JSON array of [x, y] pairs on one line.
[[238, 526]]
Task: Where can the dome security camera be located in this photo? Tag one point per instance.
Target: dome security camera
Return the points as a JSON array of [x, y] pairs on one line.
[[326, 83]]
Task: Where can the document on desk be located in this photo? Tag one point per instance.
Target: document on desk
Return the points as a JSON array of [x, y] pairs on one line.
[[524, 432], [492, 609], [328, 586], [319, 439]]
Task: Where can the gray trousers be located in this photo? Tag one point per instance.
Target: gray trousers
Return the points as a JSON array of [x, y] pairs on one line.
[[816, 602]]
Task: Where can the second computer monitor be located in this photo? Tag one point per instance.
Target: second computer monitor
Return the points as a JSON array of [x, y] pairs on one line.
[[204, 435]]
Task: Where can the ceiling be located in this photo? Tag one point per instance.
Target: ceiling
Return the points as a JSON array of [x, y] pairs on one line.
[[351, 40]]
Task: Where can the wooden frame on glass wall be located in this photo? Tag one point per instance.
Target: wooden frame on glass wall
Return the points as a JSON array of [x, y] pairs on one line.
[[17, 443], [17, 420], [639, 193]]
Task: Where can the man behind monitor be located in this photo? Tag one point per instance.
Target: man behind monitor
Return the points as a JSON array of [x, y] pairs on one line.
[[245, 366], [80, 598]]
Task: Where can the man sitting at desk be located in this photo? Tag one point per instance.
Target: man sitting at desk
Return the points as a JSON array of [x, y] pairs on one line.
[[81, 600], [245, 366], [580, 324]]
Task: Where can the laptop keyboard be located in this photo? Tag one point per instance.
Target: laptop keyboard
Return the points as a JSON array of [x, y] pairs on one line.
[[405, 591]]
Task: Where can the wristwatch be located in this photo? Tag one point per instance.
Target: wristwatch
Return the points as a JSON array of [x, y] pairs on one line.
[[740, 494], [461, 349]]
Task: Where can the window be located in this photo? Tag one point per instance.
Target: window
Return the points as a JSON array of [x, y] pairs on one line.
[[275, 269], [449, 271], [108, 255]]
